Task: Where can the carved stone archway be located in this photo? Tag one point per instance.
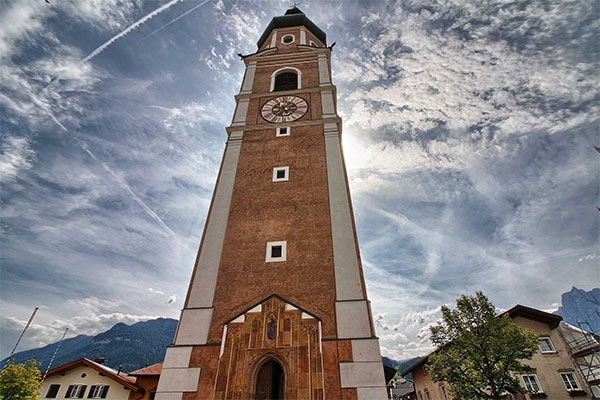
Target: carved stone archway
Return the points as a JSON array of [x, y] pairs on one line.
[[273, 331], [269, 379]]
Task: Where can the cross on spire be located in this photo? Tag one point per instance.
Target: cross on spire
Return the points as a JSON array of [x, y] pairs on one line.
[[295, 5]]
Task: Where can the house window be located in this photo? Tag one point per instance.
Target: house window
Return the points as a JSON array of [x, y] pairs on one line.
[[313, 44], [75, 392], [427, 396], [283, 131], [420, 396], [98, 392], [52, 391], [288, 39], [569, 381], [276, 251], [531, 383], [281, 174], [545, 345]]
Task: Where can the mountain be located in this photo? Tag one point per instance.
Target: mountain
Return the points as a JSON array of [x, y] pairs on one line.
[[407, 363], [388, 362], [579, 305], [130, 346], [400, 365], [44, 354]]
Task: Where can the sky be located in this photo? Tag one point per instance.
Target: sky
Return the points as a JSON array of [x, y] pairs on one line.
[[467, 132]]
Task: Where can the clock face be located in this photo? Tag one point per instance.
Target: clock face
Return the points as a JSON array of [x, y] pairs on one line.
[[284, 109]]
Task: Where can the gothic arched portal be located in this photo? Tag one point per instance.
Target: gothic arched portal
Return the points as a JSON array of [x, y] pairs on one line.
[[271, 351], [270, 382]]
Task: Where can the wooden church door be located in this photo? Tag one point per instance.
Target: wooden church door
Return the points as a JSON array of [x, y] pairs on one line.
[[270, 382]]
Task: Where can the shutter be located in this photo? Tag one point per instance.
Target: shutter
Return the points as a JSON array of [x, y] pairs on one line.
[[53, 391], [82, 391], [104, 392], [91, 393], [69, 391]]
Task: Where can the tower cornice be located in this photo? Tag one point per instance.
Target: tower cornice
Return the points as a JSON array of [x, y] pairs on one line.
[[271, 53], [268, 125], [287, 92]]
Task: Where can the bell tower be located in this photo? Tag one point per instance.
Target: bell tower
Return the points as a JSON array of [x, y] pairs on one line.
[[277, 306]]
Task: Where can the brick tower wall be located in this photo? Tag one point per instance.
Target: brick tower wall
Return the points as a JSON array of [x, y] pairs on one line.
[[216, 351]]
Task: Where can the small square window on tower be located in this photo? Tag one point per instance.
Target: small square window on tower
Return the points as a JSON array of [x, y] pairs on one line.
[[283, 131], [281, 174], [276, 251]]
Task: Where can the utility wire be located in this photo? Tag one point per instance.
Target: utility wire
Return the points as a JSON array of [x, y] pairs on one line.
[[18, 340], [54, 355]]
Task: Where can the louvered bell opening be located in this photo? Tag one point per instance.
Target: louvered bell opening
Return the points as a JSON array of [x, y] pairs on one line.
[[286, 81]]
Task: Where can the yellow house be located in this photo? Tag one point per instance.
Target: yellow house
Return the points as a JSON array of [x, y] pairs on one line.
[[88, 379], [557, 376]]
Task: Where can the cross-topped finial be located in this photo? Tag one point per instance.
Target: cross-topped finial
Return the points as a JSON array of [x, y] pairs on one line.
[[295, 5]]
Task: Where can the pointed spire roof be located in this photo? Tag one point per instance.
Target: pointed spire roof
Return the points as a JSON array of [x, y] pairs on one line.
[[293, 10], [293, 17]]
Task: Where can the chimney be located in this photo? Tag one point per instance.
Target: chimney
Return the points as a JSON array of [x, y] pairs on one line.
[[99, 360]]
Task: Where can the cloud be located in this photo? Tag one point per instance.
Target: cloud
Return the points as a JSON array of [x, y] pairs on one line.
[[24, 87], [40, 335], [241, 27], [177, 18], [130, 28], [467, 137], [105, 15], [17, 155], [587, 257], [92, 318], [170, 299], [406, 336]]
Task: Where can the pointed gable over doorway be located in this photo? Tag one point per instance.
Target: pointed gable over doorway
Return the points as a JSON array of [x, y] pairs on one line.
[[277, 331]]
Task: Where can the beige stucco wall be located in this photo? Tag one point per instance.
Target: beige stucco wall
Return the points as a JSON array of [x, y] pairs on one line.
[[73, 377], [546, 364], [423, 381]]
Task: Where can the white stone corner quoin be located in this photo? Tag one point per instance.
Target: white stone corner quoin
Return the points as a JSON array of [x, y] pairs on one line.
[[205, 280], [176, 376], [348, 284]]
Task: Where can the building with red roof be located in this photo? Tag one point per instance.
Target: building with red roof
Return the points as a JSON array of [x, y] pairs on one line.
[[556, 377]]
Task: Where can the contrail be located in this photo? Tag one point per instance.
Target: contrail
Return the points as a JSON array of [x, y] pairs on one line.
[[125, 185], [127, 30], [176, 19]]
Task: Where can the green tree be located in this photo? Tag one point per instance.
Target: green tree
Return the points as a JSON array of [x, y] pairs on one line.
[[20, 381], [479, 354]]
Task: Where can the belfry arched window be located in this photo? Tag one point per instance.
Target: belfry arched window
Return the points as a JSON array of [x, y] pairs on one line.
[[286, 79]]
